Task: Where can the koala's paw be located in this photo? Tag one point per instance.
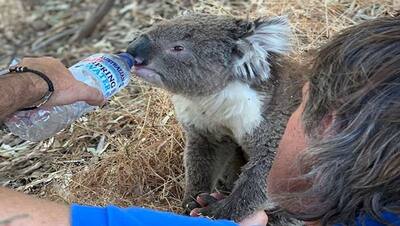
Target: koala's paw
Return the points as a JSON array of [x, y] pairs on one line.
[[190, 202], [220, 210], [217, 208], [200, 200]]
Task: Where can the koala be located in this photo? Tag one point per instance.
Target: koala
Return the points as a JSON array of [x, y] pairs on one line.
[[233, 91]]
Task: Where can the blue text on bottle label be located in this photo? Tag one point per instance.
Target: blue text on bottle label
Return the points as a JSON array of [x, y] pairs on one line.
[[110, 73]]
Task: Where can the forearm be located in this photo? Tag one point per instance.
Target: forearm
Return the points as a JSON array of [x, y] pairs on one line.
[[18, 91], [18, 209]]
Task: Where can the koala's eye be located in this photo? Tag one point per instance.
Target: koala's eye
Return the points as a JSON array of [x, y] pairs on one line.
[[178, 48]]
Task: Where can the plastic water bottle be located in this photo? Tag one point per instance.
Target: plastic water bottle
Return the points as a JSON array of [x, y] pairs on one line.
[[106, 72]]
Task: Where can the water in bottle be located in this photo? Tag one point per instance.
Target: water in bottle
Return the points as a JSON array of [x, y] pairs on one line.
[[106, 72]]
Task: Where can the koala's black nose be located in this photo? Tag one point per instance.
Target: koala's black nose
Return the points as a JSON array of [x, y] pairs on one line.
[[140, 50]]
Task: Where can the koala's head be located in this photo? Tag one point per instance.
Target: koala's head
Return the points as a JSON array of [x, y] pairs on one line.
[[200, 54]]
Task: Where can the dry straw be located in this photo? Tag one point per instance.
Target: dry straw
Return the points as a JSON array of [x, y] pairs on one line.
[[130, 153]]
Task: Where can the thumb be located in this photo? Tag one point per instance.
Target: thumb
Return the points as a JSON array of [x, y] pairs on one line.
[[91, 95]]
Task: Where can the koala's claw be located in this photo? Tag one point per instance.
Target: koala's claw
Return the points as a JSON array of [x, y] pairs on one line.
[[189, 203], [202, 200], [191, 206], [217, 210]]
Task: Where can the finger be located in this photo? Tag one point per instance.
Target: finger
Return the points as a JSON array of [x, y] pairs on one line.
[[205, 199], [217, 195], [91, 95], [258, 218], [195, 212]]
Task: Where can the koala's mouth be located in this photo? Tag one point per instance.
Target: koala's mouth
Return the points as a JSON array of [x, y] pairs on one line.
[[149, 75]]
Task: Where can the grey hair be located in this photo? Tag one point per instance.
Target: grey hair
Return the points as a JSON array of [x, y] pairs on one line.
[[353, 168]]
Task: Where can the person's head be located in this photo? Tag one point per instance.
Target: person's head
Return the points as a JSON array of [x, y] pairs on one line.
[[345, 136]]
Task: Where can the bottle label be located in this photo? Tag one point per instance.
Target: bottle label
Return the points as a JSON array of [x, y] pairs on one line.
[[110, 74]]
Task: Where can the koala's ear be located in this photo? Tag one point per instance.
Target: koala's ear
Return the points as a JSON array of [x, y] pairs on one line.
[[262, 38]]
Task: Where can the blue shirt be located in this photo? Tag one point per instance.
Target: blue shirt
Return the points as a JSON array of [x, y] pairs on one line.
[[135, 216], [387, 216]]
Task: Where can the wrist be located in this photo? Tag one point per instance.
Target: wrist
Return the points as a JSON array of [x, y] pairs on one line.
[[32, 88]]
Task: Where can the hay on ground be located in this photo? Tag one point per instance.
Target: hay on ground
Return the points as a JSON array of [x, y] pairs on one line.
[[130, 153]]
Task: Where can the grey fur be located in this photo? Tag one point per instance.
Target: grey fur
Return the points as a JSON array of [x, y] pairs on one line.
[[218, 49], [270, 36]]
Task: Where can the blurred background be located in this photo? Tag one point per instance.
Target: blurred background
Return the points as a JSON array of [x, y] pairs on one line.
[[130, 152]]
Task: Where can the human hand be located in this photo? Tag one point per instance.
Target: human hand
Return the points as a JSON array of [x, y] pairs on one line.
[[259, 218], [67, 89]]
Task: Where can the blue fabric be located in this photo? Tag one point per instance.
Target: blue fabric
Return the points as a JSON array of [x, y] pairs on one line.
[[135, 216], [114, 216], [392, 218]]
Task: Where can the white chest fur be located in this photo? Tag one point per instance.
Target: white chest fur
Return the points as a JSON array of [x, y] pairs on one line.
[[237, 110]]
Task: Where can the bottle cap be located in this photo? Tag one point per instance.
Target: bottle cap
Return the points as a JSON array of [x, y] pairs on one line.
[[128, 58]]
